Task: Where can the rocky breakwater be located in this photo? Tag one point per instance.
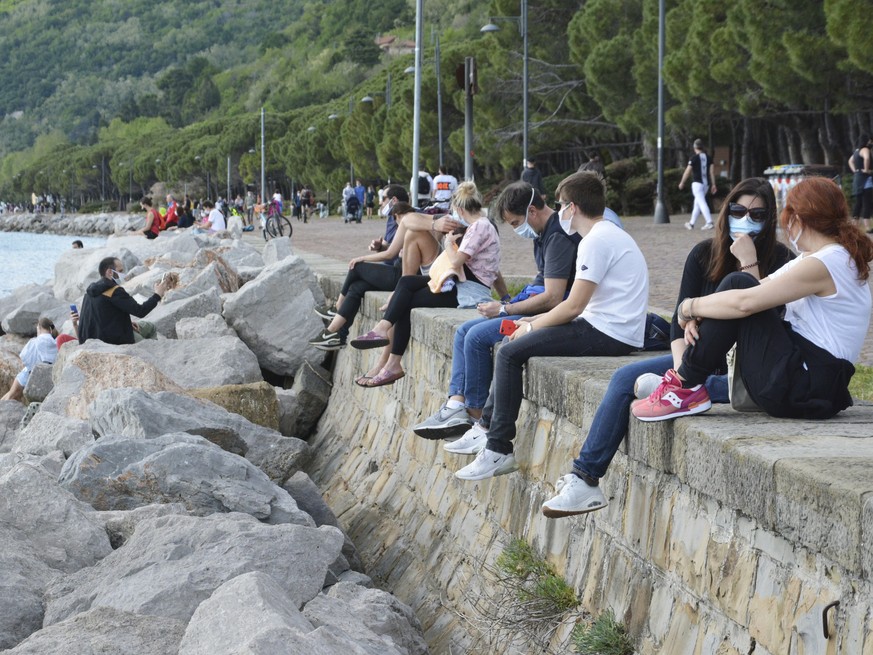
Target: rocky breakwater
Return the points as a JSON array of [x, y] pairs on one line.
[[97, 224], [152, 497]]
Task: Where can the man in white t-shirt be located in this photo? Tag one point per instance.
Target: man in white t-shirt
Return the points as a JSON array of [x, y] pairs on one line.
[[603, 315], [214, 221], [444, 186]]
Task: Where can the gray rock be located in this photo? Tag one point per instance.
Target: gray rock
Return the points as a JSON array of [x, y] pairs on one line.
[[216, 271], [76, 269], [289, 411], [276, 250], [24, 578], [248, 273], [124, 473], [65, 532], [373, 616], [39, 383], [244, 615], [104, 630], [312, 387], [197, 327], [240, 253], [136, 413], [167, 314], [20, 296], [22, 319], [206, 279], [11, 413], [273, 315], [121, 524], [171, 564], [48, 432]]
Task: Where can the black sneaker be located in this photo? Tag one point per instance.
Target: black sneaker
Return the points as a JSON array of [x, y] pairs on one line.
[[327, 341], [324, 313]]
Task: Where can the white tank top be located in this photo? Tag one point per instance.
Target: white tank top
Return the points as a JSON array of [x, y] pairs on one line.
[[838, 323]]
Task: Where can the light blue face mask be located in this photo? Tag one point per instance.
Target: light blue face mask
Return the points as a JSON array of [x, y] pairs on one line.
[[743, 225], [457, 217], [525, 230]]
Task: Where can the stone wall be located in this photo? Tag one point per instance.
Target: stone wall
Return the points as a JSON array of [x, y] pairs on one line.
[[726, 533]]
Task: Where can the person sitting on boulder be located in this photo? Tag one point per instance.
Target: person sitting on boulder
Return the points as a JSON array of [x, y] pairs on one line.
[[107, 308], [41, 349]]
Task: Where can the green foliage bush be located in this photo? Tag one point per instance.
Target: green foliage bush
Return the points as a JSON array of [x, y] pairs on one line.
[[603, 636]]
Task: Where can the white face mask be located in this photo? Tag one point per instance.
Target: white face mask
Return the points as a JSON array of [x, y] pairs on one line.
[[387, 207], [565, 223], [116, 276], [457, 217], [525, 230], [794, 239]]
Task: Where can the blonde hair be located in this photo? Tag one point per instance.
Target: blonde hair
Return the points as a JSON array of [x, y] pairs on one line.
[[467, 197]]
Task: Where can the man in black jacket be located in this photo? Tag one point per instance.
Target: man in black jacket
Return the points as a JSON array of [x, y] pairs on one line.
[[107, 307]]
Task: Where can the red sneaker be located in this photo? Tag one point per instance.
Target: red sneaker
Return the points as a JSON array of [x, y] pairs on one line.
[[670, 400]]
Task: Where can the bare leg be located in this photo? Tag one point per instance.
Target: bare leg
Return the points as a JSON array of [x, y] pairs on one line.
[[16, 392], [419, 248]]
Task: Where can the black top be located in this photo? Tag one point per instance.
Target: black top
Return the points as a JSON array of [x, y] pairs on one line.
[[700, 168], [695, 279], [533, 177], [106, 311], [555, 253]]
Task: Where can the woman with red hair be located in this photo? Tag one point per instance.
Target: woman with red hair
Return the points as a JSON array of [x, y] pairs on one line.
[[798, 366]]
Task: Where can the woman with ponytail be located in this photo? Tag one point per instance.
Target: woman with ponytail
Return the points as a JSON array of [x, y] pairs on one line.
[[798, 367], [40, 349]]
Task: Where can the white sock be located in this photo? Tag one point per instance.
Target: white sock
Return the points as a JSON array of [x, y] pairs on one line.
[[454, 404]]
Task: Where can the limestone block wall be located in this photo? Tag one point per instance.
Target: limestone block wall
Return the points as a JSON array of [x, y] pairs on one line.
[[725, 533]]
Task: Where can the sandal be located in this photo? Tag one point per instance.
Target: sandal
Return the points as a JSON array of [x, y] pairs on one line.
[[369, 340], [384, 378], [362, 380]]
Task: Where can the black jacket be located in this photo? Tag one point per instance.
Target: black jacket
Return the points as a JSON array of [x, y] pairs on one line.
[[106, 312]]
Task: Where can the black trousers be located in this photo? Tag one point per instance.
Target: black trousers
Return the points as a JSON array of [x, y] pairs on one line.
[[364, 277], [411, 292]]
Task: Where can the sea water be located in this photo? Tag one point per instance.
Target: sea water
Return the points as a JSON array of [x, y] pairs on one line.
[[26, 258]]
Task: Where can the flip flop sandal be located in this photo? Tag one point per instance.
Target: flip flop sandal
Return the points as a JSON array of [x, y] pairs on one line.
[[384, 378], [362, 380], [369, 340]]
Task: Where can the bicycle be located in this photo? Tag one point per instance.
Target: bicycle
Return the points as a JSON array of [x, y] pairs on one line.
[[273, 222]]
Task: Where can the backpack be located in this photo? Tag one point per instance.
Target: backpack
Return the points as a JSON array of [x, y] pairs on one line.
[[423, 186]]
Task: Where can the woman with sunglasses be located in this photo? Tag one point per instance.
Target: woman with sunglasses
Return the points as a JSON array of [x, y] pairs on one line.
[[799, 367], [744, 240]]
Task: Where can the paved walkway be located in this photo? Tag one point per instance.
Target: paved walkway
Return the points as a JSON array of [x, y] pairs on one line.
[[664, 246]]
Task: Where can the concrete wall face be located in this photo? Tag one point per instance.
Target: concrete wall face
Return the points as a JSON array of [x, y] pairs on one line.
[[725, 533]]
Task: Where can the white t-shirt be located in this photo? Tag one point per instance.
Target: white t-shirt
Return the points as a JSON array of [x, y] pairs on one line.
[[838, 323], [443, 187], [216, 221], [609, 257]]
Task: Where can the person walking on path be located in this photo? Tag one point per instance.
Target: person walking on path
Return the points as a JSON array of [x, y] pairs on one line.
[[862, 182], [532, 175], [703, 182]]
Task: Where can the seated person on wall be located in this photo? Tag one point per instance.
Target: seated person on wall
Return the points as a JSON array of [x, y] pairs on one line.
[[605, 315], [744, 240], [799, 367], [42, 349], [171, 220], [461, 276], [408, 248], [107, 308], [214, 222], [153, 219]]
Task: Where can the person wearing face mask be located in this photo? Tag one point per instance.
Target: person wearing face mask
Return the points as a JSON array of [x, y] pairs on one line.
[[799, 367], [107, 307], [407, 248], [603, 315], [744, 239]]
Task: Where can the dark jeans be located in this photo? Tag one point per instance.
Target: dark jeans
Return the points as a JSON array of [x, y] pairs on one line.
[[411, 292], [863, 204], [575, 339], [364, 277]]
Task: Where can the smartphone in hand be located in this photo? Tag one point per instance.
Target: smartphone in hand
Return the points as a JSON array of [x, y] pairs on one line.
[[73, 309], [507, 326]]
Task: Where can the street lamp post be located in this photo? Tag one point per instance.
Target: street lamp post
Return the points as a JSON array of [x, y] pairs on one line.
[[661, 215], [416, 107], [522, 29]]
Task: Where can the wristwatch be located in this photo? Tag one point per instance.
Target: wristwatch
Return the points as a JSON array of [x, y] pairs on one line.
[[502, 311]]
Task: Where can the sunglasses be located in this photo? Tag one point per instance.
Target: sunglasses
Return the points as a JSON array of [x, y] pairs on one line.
[[757, 214]]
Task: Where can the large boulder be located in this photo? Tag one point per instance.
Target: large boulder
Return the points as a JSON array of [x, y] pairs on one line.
[[24, 580], [11, 413], [273, 315], [135, 413], [20, 296], [76, 269], [167, 314], [275, 250], [105, 630], [22, 319], [257, 401], [312, 387], [10, 366], [85, 371], [39, 383], [123, 473], [216, 271], [198, 327], [239, 253], [47, 432], [171, 564]]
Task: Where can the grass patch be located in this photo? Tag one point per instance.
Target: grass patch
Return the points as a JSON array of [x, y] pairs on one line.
[[861, 386], [537, 585], [603, 636]]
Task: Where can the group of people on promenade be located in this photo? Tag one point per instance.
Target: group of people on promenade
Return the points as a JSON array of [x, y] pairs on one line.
[[797, 317]]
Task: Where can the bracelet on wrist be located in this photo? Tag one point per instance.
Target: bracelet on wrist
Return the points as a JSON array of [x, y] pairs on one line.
[[505, 299], [681, 314], [752, 265]]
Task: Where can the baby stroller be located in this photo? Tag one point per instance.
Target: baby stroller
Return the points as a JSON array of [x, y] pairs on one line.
[[353, 207]]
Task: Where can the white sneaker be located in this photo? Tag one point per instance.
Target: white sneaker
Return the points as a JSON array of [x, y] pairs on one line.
[[708, 226], [471, 443], [646, 384], [575, 496], [488, 464], [689, 225]]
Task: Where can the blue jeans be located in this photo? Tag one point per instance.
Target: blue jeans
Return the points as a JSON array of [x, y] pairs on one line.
[[609, 426], [472, 365]]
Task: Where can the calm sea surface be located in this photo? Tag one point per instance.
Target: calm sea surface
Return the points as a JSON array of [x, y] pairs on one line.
[[27, 258]]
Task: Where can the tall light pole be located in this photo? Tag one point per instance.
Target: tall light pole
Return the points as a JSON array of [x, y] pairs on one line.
[[416, 107], [263, 159], [661, 215], [227, 198], [522, 29]]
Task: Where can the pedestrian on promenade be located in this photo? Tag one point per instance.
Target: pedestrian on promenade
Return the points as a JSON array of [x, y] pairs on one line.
[[862, 182], [532, 175], [700, 170]]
